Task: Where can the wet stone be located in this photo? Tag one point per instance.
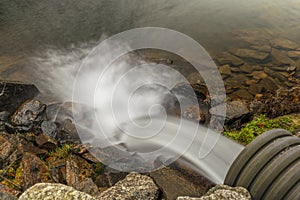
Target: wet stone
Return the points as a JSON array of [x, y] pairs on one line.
[[13, 94], [263, 48], [227, 58], [250, 54], [242, 94], [30, 112], [256, 37], [4, 116], [294, 54], [291, 68], [225, 69], [282, 43], [255, 89], [268, 84], [49, 128], [276, 75], [251, 81], [281, 57], [235, 110], [247, 69], [259, 75]]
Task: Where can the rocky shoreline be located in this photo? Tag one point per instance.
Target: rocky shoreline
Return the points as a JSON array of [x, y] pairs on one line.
[[42, 158]]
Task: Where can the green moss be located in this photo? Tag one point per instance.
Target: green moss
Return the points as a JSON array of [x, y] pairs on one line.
[[261, 124], [61, 152], [98, 167]]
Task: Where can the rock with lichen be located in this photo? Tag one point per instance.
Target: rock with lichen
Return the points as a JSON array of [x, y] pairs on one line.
[[223, 192], [54, 191], [135, 186]]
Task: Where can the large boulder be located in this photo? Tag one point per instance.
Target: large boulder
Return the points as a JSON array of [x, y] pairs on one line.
[[223, 192], [13, 94], [53, 191], [135, 186]]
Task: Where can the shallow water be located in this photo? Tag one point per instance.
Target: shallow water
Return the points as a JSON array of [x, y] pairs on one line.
[[30, 24]]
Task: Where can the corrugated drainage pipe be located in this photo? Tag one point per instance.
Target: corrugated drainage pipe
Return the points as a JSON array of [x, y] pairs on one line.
[[269, 167]]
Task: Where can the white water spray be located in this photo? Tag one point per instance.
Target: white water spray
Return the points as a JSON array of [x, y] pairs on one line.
[[125, 101]]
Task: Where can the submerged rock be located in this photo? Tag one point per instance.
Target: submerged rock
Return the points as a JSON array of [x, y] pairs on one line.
[[54, 191], [264, 48], [13, 94], [250, 54], [227, 58], [135, 186], [282, 43], [294, 54], [281, 57]]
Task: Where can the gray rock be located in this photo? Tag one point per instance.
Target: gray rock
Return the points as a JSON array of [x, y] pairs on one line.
[[4, 116], [234, 110], [250, 54], [53, 191], [6, 196], [135, 187], [31, 112], [223, 192], [281, 43], [49, 128], [13, 94]]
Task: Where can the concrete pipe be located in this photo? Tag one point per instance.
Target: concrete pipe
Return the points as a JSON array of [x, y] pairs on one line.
[[269, 167]]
